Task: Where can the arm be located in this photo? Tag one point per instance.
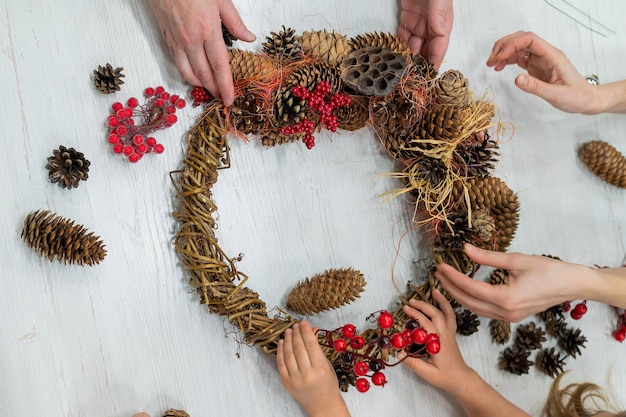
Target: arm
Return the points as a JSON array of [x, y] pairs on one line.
[[307, 374], [535, 284], [448, 370], [552, 76], [426, 25], [193, 31]]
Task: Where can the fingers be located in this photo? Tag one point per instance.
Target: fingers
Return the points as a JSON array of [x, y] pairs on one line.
[[314, 352], [285, 358], [491, 258], [413, 310], [446, 309], [231, 19], [299, 346], [220, 72], [437, 48], [514, 47], [440, 16]]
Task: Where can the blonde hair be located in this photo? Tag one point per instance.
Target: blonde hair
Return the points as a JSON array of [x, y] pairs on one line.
[[576, 400]]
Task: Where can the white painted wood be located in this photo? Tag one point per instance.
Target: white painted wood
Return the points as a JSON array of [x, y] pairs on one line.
[[127, 335]]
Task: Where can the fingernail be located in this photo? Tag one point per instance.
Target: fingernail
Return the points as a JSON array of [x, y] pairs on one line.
[[522, 80], [401, 355]]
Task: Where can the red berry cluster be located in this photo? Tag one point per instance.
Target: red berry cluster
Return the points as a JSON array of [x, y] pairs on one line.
[[578, 311], [620, 332], [356, 352], [320, 100], [130, 126], [200, 95]]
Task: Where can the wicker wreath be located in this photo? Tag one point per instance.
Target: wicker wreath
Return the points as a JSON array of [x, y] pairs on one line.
[[429, 123]]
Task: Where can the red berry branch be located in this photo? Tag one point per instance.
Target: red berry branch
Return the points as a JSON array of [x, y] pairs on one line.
[[356, 354], [578, 311], [130, 126], [320, 100], [200, 95], [620, 332]]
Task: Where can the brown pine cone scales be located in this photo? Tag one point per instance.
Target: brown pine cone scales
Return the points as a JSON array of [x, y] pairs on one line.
[[529, 336], [453, 88], [331, 289], [499, 277], [515, 361], [325, 46], [466, 322], [382, 40], [283, 45], [246, 114], [246, 65], [443, 122], [175, 413], [604, 161], [53, 236], [354, 116], [107, 79], [67, 167], [550, 362], [500, 331]]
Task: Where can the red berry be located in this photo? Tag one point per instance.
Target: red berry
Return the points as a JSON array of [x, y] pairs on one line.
[[623, 327], [385, 320], [173, 98], [576, 315], [165, 95], [180, 103], [128, 112], [170, 109], [148, 92], [419, 336], [121, 130], [566, 306], [141, 149], [362, 385], [432, 337], [619, 335], [397, 341], [348, 331], [171, 118], [117, 106], [357, 342], [361, 368], [118, 148], [339, 345], [159, 90], [159, 102], [412, 324], [379, 379], [138, 139], [581, 308], [151, 141], [113, 121], [433, 347], [113, 138], [128, 150], [158, 148], [133, 157], [132, 102]]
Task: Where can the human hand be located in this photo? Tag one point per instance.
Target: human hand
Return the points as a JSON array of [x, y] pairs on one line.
[[426, 25], [446, 369], [535, 283], [307, 374], [193, 31], [551, 75], [141, 415]]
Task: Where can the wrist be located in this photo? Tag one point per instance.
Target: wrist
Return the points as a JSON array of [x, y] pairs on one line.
[[334, 406]]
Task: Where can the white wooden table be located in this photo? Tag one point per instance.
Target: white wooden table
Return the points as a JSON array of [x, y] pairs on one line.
[[128, 335]]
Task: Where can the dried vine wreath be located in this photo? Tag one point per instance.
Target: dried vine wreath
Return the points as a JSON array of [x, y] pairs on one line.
[[430, 124]]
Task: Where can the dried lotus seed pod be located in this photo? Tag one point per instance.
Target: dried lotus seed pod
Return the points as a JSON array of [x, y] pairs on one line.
[[372, 70]]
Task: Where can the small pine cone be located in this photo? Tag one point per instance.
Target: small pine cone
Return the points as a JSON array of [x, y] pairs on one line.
[[466, 322], [499, 277], [550, 362], [571, 341], [382, 40], [246, 113], [354, 116], [423, 67], [275, 137], [325, 46], [394, 113], [515, 361], [67, 167], [452, 87], [107, 79], [493, 195], [456, 232], [345, 379], [500, 331], [483, 224], [53, 236], [332, 289], [443, 122], [555, 327], [175, 413], [228, 37], [395, 143], [283, 45], [476, 156], [372, 70], [604, 161], [529, 337], [246, 65]]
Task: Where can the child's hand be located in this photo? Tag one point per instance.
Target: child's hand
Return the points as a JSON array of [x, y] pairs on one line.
[[446, 369], [307, 374]]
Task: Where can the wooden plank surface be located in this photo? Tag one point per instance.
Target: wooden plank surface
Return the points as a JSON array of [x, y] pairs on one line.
[[129, 335]]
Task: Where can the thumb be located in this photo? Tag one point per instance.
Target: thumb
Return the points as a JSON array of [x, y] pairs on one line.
[[537, 87], [436, 19], [417, 365]]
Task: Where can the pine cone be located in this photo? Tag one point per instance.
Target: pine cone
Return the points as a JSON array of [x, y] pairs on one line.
[[325, 46], [515, 361], [246, 113], [529, 337], [466, 322], [493, 195], [175, 413], [550, 362], [372, 70], [283, 45], [499, 277], [107, 80], [345, 379], [228, 37], [456, 232], [423, 67], [571, 341], [394, 113], [246, 65], [476, 156], [332, 289], [483, 225], [555, 327], [354, 116], [381, 40], [552, 313], [443, 122], [275, 137], [500, 331], [604, 161], [50, 235], [453, 88], [67, 167]]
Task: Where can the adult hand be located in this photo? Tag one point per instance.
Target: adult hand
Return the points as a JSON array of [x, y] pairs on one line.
[[535, 283], [193, 31], [141, 415], [307, 374], [446, 369], [551, 75], [426, 25]]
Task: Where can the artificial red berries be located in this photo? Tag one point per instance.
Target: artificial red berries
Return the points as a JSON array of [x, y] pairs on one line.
[[200, 95], [579, 310], [130, 125]]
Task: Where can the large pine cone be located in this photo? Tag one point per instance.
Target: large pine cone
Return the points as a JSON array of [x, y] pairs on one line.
[[247, 65], [382, 40], [515, 361], [550, 362], [604, 161], [529, 336], [283, 45], [67, 167], [443, 122], [494, 196], [53, 236], [500, 331], [332, 289], [325, 46], [453, 88], [107, 79], [275, 137], [175, 413], [354, 116]]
